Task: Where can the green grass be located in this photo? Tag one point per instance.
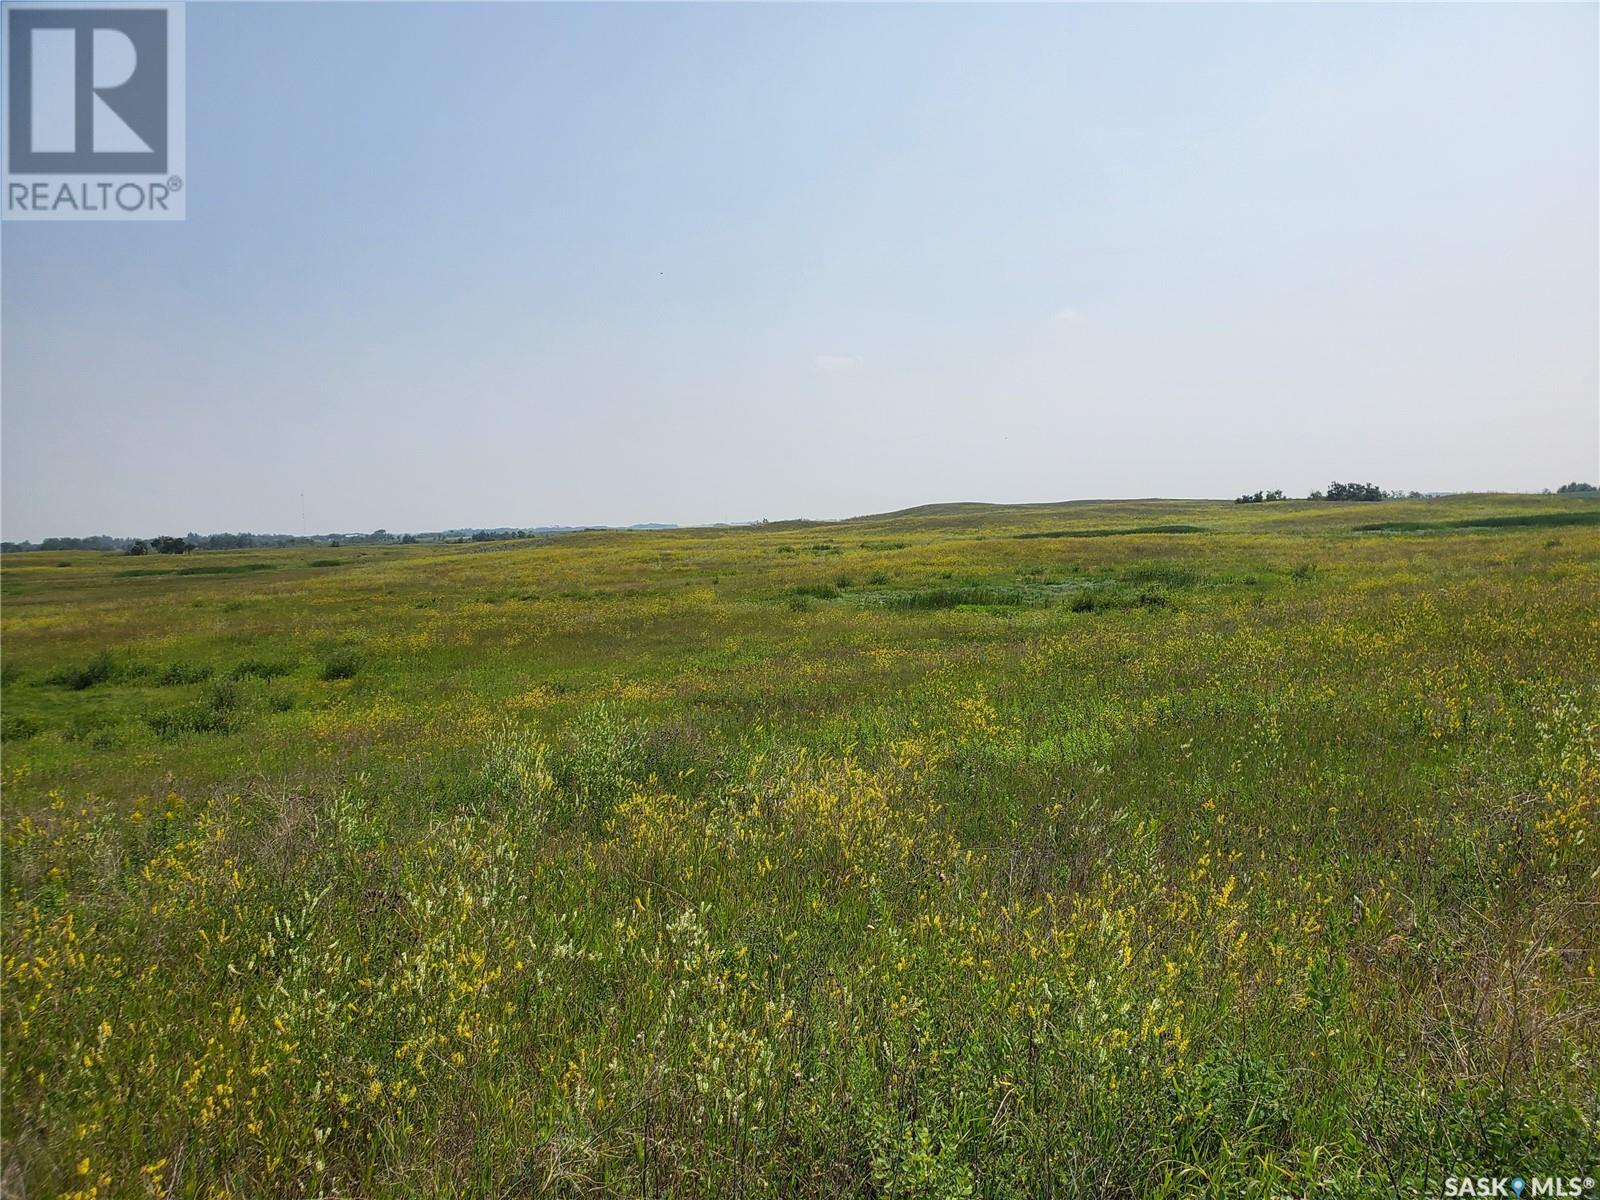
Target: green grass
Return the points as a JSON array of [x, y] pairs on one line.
[[1512, 520], [206, 569], [229, 569], [903, 856], [980, 596], [1113, 532]]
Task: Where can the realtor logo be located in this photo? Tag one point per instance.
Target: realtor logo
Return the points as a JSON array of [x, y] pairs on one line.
[[94, 124]]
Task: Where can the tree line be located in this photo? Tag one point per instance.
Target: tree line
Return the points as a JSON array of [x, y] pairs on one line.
[[1371, 491]]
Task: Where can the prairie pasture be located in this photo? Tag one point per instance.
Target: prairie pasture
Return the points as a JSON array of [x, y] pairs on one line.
[[1136, 848]]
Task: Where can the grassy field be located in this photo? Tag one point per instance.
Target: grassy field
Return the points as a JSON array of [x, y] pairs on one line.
[[1115, 849]]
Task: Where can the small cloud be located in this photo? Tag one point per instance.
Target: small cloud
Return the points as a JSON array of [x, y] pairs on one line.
[[833, 364], [1068, 316]]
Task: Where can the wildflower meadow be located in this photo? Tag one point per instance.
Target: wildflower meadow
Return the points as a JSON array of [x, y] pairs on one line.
[[1124, 849]]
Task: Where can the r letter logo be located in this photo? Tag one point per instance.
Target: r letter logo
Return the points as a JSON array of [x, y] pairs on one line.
[[94, 112]]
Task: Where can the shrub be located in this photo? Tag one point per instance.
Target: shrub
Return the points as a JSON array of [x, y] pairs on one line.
[[181, 673], [1167, 576], [18, 728], [816, 591], [255, 668], [217, 713], [342, 665], [224, 696], [98, 670]]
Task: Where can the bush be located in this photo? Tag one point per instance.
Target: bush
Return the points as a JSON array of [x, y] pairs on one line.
[[175, 674], [816, 591], [217, 713], [255, 668], [18, 728], [342, 665], [99, 669], [224, 696]]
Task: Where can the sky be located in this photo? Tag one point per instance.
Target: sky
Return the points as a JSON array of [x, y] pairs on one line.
[[518, 264]]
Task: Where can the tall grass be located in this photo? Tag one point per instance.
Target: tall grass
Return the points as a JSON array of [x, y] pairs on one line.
[[587, 868]]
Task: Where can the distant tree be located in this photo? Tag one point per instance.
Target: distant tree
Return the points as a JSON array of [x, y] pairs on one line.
[[226, 541], [170, 545], [1260, 497], [1575, 486], [138, 547], [410, 539], [1350, 491], [99, 542]]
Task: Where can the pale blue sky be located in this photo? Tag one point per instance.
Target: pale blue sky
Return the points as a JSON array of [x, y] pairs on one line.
[[519, 264]]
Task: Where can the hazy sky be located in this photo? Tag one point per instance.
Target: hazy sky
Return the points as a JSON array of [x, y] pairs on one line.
[[518, 264]]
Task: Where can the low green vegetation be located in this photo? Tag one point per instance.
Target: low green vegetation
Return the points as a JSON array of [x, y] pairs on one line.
[[969, 851], [1111, 532], [1510, 520]]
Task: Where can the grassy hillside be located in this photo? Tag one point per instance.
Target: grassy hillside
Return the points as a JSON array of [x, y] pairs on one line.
[[1128, 849]]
